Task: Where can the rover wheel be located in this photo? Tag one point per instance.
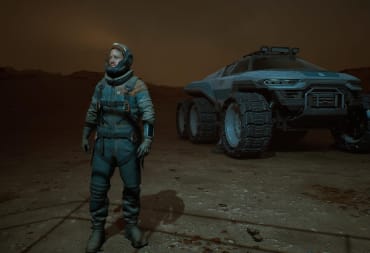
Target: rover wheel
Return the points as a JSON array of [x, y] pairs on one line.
[[355, 136], [181, 118], [202, 121], [247, 125]]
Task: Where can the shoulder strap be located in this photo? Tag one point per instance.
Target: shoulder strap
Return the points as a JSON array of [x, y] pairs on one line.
[[139, 86], [130, 84], [100, 87], [100, 93]]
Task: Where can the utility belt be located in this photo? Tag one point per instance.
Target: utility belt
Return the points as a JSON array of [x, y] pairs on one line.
[[111, 132], [104, 135]]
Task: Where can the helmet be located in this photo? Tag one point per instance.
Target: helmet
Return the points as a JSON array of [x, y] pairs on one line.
[[124, 65], [127, 55]]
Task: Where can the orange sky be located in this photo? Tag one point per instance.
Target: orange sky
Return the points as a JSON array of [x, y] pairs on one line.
[[175, 42]]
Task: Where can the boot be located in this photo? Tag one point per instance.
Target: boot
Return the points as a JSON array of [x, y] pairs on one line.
[[99, 203], [95, 241], [134, 234], [131, 209]]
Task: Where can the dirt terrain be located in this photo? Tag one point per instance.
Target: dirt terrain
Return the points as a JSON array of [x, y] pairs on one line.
[[304, 197]]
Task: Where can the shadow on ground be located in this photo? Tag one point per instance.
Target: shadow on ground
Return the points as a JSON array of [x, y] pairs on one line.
[[164, 207]]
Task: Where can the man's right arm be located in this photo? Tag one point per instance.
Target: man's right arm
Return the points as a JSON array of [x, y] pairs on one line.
[[91, 120]]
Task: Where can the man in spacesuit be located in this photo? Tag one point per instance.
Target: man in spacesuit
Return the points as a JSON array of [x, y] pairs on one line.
[[122, 114]]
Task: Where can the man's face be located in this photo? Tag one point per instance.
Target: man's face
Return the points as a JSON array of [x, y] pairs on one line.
[[115, 56]]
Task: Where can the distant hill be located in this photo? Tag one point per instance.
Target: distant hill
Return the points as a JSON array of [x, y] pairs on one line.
[[86, 75], [92, 78], [38, 103], [9, 73]]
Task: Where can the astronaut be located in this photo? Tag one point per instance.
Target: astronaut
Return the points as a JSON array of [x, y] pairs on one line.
[[122, 115]]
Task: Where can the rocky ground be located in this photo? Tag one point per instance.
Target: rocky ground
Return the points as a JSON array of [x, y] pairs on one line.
[[303, 198]]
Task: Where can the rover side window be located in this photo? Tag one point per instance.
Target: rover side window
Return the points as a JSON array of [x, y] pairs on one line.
[[228, 70], [283, 62], [242, 66]]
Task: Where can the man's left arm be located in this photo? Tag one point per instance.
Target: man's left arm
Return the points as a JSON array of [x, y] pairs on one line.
[[147, 113]]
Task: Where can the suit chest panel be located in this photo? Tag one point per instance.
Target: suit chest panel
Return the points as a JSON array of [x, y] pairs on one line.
[[118, 99], [114, 96]]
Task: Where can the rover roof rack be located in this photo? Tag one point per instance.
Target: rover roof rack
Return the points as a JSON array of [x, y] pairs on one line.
[[265, 50]]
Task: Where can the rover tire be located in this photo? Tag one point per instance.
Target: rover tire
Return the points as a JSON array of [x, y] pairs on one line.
[[202, 118], [182, 112], [246, 125]]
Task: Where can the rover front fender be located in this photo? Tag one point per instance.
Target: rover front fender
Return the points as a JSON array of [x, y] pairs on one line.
[[201, 89], [248, 86]]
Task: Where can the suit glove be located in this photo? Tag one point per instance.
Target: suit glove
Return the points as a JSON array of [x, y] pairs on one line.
[[85, 145], [144, 147]]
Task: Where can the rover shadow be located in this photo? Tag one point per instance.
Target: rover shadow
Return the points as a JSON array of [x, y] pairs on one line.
[[314, 140]]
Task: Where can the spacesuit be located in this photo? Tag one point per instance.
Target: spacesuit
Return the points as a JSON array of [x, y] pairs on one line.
[[122, 114]]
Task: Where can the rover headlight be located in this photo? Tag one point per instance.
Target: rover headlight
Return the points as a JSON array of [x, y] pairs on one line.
[[280, 81], [354, 85]]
